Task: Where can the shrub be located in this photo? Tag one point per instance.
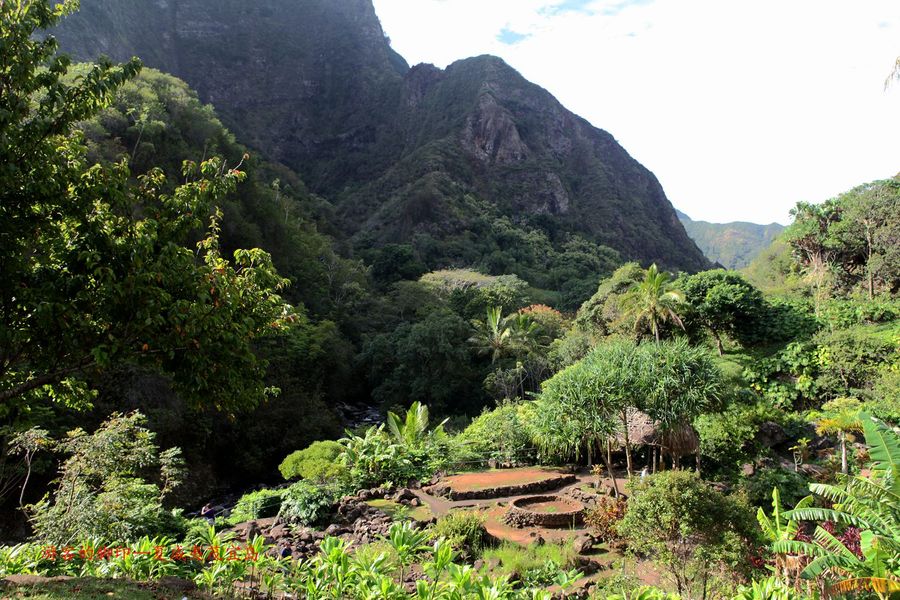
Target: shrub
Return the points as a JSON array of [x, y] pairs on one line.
[[793, 486], [500, 434], [101, 492], [318, 462], [605, 516], [516, 560], [464, 530], [690, 529], [410, 453], [256, 505], [306, 504]]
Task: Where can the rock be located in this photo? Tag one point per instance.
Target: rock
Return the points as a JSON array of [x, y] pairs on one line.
[[771, 434], [335, 530], [587, 566], [404, 495], [538, 540], [815, 472], [584, 544], [748, 470], [415, 502], [278, 531]]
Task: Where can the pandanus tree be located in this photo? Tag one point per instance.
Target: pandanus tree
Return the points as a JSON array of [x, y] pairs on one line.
[[652, 302], [870, 504]]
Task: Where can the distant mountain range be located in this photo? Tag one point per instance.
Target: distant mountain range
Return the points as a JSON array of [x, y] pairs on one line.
[[732, 245], [471, 165]]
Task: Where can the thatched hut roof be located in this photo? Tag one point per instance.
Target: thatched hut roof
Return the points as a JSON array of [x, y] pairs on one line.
[[644, 431]]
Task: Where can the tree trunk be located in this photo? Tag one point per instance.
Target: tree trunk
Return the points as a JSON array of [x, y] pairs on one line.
[[627, 443], [608, 452], [698, 462], [718, 342], [612, 476], [844, 468], [655, 458]]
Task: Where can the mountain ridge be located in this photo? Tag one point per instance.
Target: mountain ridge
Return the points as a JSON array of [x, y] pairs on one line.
[[733, 245], [408, 155]]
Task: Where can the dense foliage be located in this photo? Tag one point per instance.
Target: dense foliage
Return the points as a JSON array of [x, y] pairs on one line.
[[469, 325]]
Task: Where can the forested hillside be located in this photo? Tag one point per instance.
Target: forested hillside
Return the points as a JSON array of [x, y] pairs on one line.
[[344, 354], [732, 245], [468, 167]]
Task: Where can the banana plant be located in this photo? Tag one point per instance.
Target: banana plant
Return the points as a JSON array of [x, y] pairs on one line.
[[871, 504], [771, 588]]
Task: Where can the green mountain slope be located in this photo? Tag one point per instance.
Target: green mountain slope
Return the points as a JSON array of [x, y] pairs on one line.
[[732, 245], [438, 160]]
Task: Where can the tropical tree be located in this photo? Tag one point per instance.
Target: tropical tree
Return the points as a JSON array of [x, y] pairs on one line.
[[871, 504], [491, 336], [724, 303], [841, 417], [412, 431], [498, 336], [652, 302], [778, 528], [97, 272]]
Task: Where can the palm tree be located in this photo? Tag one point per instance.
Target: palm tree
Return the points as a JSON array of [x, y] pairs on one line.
[[491, 335], [653, 301], [842, 419], [871, 504]]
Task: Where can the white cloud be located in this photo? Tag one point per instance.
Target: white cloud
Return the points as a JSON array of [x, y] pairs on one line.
[[740, 107]]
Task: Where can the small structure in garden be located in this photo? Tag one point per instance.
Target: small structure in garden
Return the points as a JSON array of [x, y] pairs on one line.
[[675, 443], [545, 511]]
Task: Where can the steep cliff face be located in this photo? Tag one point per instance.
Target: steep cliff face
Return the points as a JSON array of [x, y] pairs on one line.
[[403, 153]]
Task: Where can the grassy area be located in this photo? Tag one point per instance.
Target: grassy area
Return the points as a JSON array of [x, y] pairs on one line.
[[94, 589], [516, 559], [400, 511]]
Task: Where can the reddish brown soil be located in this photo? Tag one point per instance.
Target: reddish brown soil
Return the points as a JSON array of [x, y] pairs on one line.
[[468, 482], [549, 506]]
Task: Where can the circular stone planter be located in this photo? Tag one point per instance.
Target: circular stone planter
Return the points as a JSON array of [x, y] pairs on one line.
[[545, 511]]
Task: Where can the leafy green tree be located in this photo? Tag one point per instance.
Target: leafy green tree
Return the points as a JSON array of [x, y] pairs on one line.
[[850, 240], [96, 268], [652, 302], [603, 309], [680, 383], [689, 529], [724, 303], [428, 360]]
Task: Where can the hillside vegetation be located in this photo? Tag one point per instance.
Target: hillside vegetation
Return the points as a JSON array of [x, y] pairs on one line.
[[216, 382], [732, 245]]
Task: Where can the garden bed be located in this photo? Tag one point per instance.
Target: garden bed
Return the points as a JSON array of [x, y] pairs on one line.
[[500, 484], [545, 511]]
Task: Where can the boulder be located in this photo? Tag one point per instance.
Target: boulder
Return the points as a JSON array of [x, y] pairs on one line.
[[771, 434]]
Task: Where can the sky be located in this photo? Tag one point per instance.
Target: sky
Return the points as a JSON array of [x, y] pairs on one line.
[[741, 108]]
